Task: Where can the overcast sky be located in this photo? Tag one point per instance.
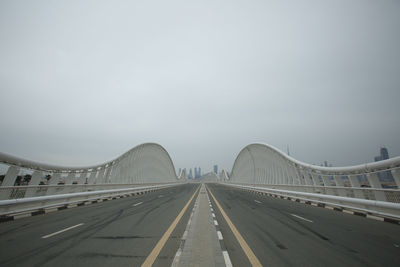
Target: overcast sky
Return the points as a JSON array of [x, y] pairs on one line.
[[81, 82]]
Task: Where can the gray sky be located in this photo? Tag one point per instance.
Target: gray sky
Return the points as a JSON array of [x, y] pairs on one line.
[[81, 82]]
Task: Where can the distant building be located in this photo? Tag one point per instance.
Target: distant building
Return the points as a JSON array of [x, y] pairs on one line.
[[216, 169], [384, 153], [384, 175], [190, 176]]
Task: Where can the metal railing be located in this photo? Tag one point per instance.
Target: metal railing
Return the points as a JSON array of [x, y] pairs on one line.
[[27, 204], [148, 163]]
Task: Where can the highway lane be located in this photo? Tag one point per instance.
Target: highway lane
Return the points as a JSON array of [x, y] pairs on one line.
[[286, 233], [119, 232]]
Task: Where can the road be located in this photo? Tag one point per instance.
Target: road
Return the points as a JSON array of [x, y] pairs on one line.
[[119, 232], [128, 231], [286, 233]]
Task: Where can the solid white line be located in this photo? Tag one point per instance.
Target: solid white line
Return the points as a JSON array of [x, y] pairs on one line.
[[137, 204], [297, 216], [61, 231], [259, 202], [215, 222], [228, 262], [219, 235]]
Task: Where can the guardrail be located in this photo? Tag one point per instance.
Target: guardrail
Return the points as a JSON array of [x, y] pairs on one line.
[[382, 208], [22, 191], [21, 205]]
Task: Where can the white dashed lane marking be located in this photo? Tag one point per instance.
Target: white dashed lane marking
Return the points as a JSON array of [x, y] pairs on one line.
[[299, 217], [61, 231]]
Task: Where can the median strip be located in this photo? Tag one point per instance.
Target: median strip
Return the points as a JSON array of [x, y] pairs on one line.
[[157, 249], [247, 250]]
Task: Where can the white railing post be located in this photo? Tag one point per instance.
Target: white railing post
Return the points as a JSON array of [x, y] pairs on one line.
[[355, 183], [11, 176], [396, 176], [9, 180], [373, 180], [35, 180]]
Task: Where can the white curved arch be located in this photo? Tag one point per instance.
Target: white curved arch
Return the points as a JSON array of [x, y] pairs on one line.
[[145, 163], [264, 164]]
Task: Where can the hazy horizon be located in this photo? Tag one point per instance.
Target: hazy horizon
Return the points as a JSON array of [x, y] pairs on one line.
[[82, 82]]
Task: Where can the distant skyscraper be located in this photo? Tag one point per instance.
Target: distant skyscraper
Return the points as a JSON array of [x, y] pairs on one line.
[[190, 174], [199, 172], [384, 175], [384, 153], [216, 169], [195, 172]]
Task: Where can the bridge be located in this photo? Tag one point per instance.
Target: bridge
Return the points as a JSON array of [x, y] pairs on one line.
[[268, 210]]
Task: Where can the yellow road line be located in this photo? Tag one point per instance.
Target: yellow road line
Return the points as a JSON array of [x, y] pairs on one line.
[[157, 249], [247, 250]]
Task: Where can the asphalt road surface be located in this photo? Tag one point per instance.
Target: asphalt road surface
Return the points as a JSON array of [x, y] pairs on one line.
[[286, 233], [125, 232], [119, 232]]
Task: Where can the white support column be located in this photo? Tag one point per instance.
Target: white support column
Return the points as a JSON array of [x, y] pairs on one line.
[[35, 180], [70, 178], [100, 176], [355, 183], [55, 179], [92, 177], [327, 183], [376, 184], [326, 180], [107, 174], [339, 183], [396, 176], [9, 180], [315, 179], [298, 178], [338, 180], [307, 179], [11, 176], [82, 178]]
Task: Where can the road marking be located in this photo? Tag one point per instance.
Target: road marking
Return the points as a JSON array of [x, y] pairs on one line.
[[219, 235], [259, 202], [160, 196], [228, 262], [61, 231], [213, 215], [297, 216], [137, 204], [157, 249], [247, 250], [215, 222]]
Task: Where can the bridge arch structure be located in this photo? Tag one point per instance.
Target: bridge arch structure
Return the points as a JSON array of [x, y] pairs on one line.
[[264, 165], [148, 163]]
